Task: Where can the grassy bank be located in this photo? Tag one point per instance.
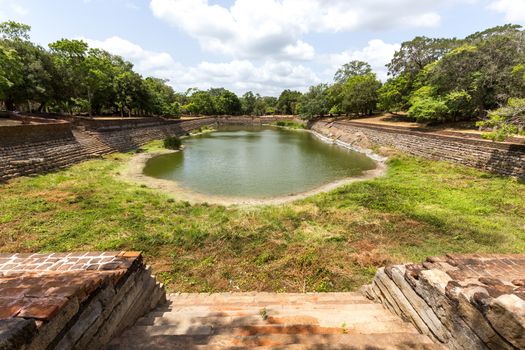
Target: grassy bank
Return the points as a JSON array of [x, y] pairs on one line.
[[330, 242]]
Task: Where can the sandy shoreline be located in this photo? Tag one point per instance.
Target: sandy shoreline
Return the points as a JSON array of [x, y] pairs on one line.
[[134, 173]]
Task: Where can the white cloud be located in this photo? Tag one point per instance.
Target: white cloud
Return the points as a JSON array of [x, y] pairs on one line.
[[144, 60], [514, 10], [19, 9], [11, 10], [275, 28], [269, 78], [377, 53]]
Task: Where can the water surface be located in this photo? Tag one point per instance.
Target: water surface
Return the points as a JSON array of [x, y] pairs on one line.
[[259, 162]]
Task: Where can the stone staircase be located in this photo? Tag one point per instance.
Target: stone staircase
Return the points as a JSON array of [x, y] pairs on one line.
[[271, 321], [91, 144]]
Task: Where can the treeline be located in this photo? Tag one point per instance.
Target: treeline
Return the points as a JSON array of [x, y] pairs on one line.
[[70, 77], [478, 78]]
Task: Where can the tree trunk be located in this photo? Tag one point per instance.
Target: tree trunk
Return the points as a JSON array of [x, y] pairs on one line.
[[89, 102], [10, 104]]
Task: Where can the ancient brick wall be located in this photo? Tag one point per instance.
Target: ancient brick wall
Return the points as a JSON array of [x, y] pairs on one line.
[[30, 133], [66, 301], [500, 158]]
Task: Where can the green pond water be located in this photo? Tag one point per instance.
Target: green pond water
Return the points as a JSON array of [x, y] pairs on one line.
[[258, 162]]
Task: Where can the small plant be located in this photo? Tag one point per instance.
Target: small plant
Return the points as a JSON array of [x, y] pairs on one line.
[[344, 328], [264, 314], [290, 124], [172, 142]]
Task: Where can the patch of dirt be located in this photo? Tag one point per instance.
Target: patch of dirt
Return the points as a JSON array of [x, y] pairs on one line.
[[54, 196]]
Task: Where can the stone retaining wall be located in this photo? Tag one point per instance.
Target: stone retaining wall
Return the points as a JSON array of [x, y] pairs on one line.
[[132, 138], [472, 301], [500, 158], [72, 300], [15, 135], [118, 124]]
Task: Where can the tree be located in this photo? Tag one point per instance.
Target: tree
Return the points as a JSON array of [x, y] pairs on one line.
[[394, 94], [360, 94], [10, 70], [315, 102], [227, 103], [201, 102], [129, 90], [13, 31], [352, 69], [248, 103], [69, 57], [287, 102], [28, 68], [482, 69], [416, 54], [161, 98]]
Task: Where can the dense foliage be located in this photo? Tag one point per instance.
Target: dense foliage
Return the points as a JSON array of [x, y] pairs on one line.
[[172, 142], [481, 77]]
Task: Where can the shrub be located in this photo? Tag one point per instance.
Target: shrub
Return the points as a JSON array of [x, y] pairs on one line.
[[172, 142], [505, 121], [429, 110]]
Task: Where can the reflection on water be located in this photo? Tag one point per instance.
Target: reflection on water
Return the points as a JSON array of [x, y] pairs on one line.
[[257, 162]]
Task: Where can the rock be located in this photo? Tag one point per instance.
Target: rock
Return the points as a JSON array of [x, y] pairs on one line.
[[507, 315], [16, 333]]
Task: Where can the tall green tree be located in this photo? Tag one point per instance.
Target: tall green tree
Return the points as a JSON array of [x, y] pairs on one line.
[[416, 54], [288, 102], [248, 102], [360, 94], [315, 102], [352, 69]]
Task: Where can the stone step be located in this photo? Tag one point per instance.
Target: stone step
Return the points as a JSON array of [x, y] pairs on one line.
[[271, 321], [278, 341], [356, 313], [166, 326], [288, 298]]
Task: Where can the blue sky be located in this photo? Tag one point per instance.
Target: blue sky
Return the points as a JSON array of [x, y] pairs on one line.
[[259, 45]]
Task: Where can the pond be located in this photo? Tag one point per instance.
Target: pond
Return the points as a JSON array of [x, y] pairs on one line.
[[257, 162]]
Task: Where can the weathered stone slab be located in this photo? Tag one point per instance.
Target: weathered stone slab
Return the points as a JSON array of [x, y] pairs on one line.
[[507, 315], [474, 301], [16, 333]]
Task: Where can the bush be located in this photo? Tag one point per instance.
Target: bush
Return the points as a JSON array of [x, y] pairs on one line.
[[505, 121], [429, 110], [172, 142]]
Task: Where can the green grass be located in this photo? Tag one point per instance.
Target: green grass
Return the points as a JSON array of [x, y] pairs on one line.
[[289, 124], [329, 242]]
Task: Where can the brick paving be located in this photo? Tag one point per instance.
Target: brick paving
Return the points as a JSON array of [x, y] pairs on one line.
[[38, 286]]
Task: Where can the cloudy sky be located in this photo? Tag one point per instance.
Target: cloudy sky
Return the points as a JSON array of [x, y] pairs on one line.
[[260, 45]]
